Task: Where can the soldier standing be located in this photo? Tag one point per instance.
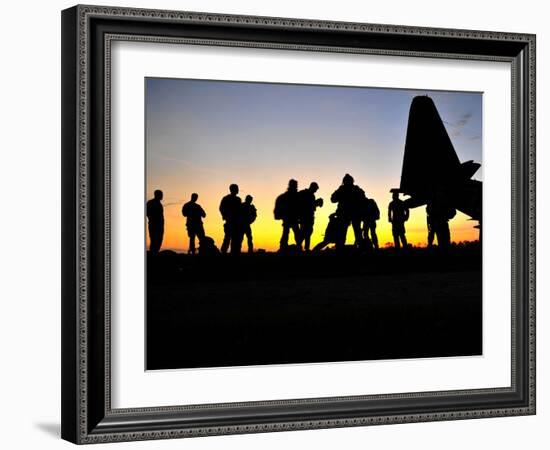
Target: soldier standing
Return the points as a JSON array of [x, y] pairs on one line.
[[349, 198], [372, 214], [431, 233], [308, 205], [155, 217], [439, 212], [287, 209], [398, 214], [194, 214], [249, 215], [230, 209]]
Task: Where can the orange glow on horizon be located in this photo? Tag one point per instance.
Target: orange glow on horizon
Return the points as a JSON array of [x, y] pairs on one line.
[[266, 230], [203, 135]]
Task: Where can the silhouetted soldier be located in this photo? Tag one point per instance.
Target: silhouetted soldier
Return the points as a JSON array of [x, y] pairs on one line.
[[155, 217], [431, 233], [287, 209], [308, 205], [398, 214], [334, 233], [249, 215], [230, 209], [207, 247], [194, 214], [349, 198], [371, 215], [439, 212]]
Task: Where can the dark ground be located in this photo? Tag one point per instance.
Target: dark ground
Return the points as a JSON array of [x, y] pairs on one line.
[[275, 309]]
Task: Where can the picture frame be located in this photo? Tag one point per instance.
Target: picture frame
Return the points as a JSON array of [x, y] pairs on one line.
[[87, 365]]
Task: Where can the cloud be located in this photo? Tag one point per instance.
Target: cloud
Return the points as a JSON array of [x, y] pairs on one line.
[[463, 120], [458, 126], [176, 203]]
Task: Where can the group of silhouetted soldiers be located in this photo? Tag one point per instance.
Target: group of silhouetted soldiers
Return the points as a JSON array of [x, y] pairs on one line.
[[296, 209], [362, 213], [237, 218]]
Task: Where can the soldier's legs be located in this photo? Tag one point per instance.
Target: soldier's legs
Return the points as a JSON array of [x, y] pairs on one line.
[[365, 231], [306, 232], [226, 237], [341, 239], [283, 243], [200, 233], [160, 237], [437, 236], [399, 237], [431, 235], [373, 236], [396, 242], [357, 232], [248, 233], [191, 233], [403, 239], [236, 242], [297, 234], [367, 243], [156, 234], [444, 235], [396, 232], [237, 236]]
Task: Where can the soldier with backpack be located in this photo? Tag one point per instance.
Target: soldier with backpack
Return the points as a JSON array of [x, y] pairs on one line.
[[249, 215], [349, 197], [287, 209], [371, 214]]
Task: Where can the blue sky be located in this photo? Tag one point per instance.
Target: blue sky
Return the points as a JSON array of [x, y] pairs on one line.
[[202, 135]]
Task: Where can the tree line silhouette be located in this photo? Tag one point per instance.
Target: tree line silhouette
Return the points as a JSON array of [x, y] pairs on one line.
[[296, 210]]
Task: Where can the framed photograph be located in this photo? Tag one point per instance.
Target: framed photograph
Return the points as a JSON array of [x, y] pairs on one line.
[[277, 224]]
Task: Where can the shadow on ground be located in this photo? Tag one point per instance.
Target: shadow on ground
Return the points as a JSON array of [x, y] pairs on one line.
[[52, 429]]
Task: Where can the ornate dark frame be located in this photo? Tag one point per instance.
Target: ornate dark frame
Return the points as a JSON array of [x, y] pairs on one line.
[[87, 415]]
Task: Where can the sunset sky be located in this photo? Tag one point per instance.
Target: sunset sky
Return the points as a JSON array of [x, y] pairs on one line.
[[202, 135]]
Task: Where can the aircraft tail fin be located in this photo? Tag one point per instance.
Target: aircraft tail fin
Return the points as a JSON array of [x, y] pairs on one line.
[[430, 160]]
